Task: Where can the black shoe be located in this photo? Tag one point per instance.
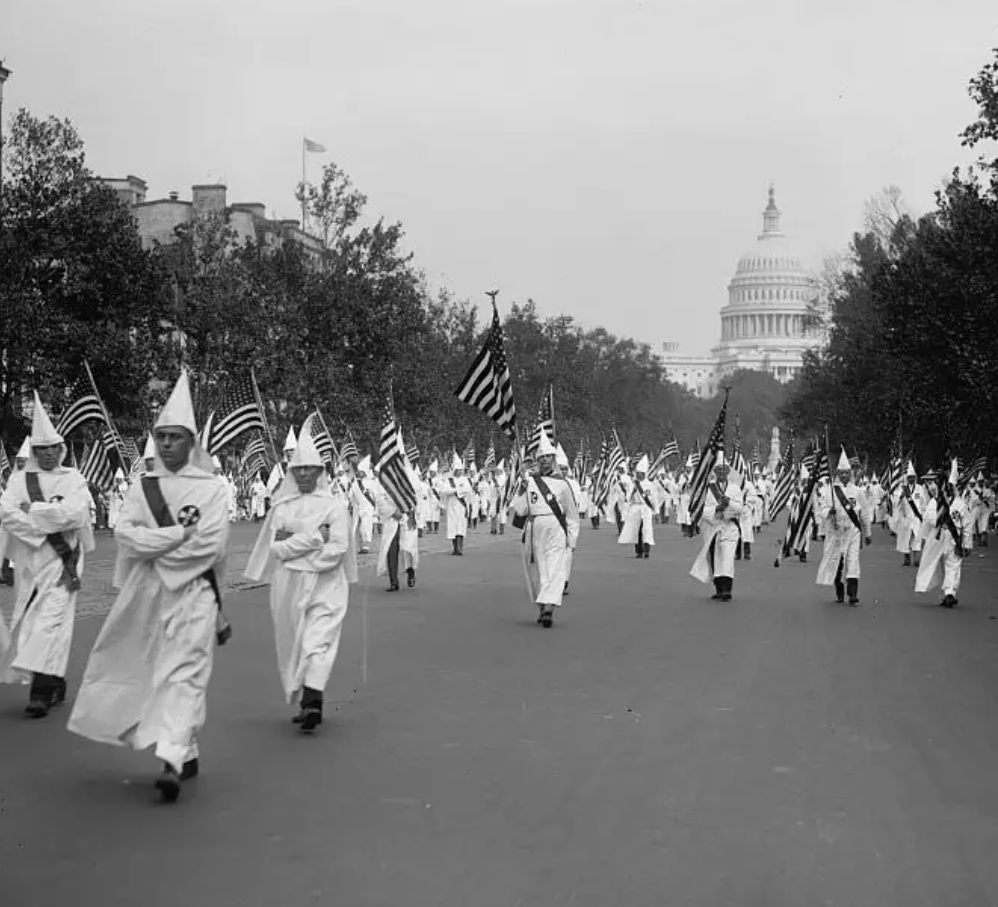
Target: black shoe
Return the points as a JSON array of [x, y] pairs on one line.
[[191, 769], [948, 602], [36, 708], [540, 617], [58, 693], [168, 784], [726, 597], [907, 561], [565, 590], [311, 719], [411, 580], [394, 587], [639, 555], [547, 618]]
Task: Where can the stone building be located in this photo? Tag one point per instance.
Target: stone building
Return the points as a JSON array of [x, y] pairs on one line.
[[158, 219], [763, 325]]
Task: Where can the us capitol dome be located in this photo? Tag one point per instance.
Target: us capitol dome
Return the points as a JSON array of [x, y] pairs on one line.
[[763, 324]]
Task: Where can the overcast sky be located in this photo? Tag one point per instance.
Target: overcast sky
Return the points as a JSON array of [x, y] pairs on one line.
[[608, 158]]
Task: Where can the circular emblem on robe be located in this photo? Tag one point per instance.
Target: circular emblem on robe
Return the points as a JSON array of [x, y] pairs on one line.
[[56, 499], [188, 515]]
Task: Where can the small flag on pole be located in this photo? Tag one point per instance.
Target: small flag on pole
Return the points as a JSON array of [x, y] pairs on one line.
[[314, 147]]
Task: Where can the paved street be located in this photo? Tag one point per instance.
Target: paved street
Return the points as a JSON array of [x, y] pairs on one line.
[[653, 748]]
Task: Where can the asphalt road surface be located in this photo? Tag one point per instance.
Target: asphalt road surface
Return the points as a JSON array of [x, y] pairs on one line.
[[653, 748]]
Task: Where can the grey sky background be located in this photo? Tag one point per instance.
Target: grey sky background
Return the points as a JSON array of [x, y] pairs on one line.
[[608, 158]]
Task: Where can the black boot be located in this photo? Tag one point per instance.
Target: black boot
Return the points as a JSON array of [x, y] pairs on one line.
[[547, 616], [647, 551], [460, 544], [565, 590], [40, 695], [718, 587], [803, 557], [727, 583], [411, 574], [639, 550], [419, 533], [747, 549], [840, 591], [949, 601], [852, 587], [191, 769], [907, 561], [168, 784], [738, 551], [454, 543], [916, 559], [311, 709]]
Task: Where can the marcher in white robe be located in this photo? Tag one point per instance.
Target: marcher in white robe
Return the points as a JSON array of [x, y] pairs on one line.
[[433, 499], [364, 503], [564, 469], [846, 529], [546, 542], [45, 515], [949, 542], [258, 499], [116, 499], [909, 501], [746, 522], [399, 541], [500, 481], [721, 510], [982, 500], [305, 551], [455, 492], [147, 677], [639, 511], [6, 564]]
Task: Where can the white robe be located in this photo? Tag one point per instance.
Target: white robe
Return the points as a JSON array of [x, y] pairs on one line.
[[408, 541], [456, 495], [147, 677], [941, 563], [309, 585], [905, 524], [41, 628], [638, 514], [547, 547], [720, 535], [843, 541]]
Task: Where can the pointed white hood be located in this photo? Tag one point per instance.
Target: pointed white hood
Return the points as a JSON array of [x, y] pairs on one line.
[[365, 464], [456, 463], [844, 464], [560, 457], [178, 412], [954, 474], [643, 465], [290, 443], [545, 448], [24, 451], [150, 450], [43, 433], [306, 453], [911, 470]]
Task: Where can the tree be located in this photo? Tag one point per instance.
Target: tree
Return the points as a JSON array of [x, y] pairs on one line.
[[75, 282], [334, 204]]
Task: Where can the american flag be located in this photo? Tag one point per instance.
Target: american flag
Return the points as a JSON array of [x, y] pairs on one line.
[[238, 413], [87, 407], [705, 465], [490, 456], [348, 448], [96, 467], [756, 457], [412, 454], [487, 386], [608, 473], [5, 467], [672, 445], [545, 423], [469, 455], [800, 520], [254, 457], [392, 463], [659, 464], [979, 464], [695, 456], [737, 462], [785, 482], [512, 475]]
